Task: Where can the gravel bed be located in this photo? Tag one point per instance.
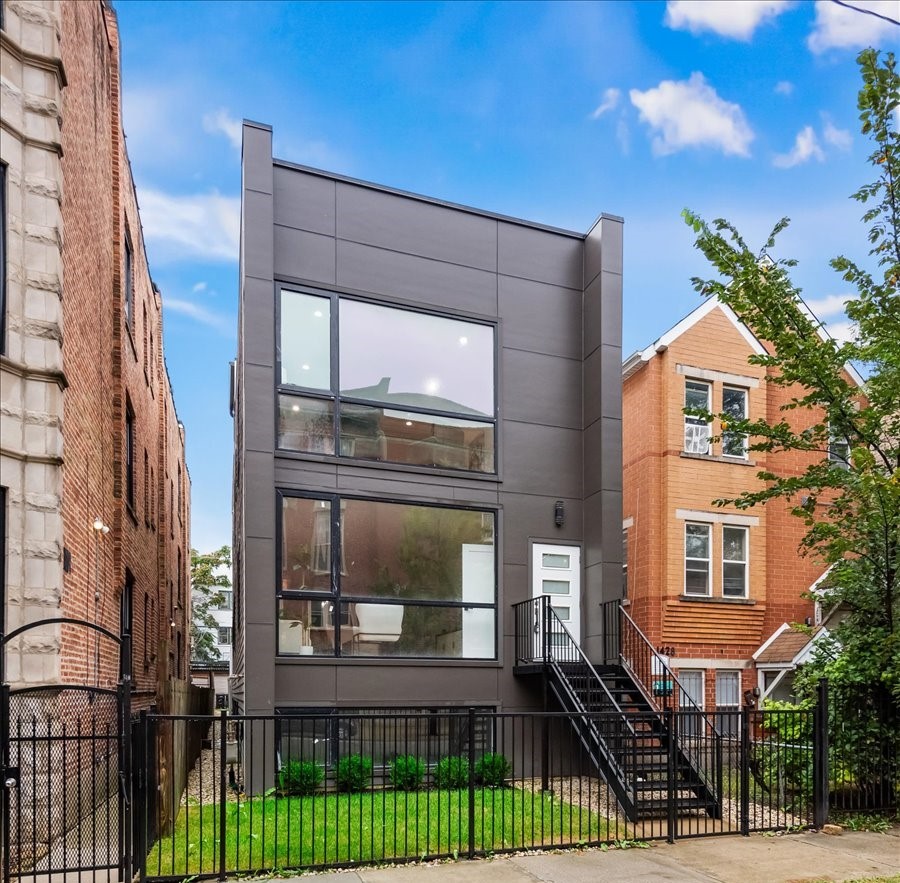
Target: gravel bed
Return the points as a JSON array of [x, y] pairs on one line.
[[203, 779]]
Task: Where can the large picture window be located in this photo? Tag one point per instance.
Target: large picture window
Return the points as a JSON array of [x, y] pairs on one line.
[[363, 380], [372, 578]]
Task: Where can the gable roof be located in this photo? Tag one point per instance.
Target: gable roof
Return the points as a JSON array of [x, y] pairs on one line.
[[638, 359]]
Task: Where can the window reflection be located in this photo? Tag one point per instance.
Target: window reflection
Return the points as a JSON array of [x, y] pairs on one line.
[[306, 424], [305, 340]]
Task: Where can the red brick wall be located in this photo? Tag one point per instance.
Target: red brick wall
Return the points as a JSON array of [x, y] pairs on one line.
[[109, 368]]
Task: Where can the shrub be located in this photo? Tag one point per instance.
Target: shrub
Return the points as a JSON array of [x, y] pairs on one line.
[[407, 772], [300, 777], [353, 773], [451, 772], [492, 770]]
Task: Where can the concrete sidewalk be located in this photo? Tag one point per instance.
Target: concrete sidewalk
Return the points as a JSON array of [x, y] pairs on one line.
[[787, 858]]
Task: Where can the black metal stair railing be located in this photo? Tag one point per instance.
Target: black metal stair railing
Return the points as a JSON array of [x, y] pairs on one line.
[[604, 728], [663, 691]]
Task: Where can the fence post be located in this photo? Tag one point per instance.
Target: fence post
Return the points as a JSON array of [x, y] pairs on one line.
[[820, 755], [139, 795], [671, 815], [222, 727], [471, 783], [745, 771]]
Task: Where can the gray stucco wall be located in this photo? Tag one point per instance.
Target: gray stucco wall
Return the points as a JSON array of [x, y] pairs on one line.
[[556, 299]]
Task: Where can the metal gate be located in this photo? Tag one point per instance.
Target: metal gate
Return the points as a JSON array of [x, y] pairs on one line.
[[64, 760]]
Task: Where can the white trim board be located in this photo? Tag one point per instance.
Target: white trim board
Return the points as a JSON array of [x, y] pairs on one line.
[[717, 517], [723, 376]]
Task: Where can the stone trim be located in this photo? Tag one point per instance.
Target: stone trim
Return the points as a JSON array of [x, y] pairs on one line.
[[35, 59], [39, 374], [47, 459]]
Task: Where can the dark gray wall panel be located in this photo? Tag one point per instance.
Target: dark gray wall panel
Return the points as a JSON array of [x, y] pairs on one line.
[[593, 317], [542, 460], [593, 529], [515, 589], [487, 494], [304, 201], [603, 456], [259, 406], [602, 398], [257, 159], [373, 217], [419, 684], [611, 308], [540, 318], [304, 255], [611, 527], [527, 517], [295, 473], [259, 555], [259, 322], [540, 255], [259, 681], [541, 389], [411, 278], [257, 235], [299, 684], [593, 252]]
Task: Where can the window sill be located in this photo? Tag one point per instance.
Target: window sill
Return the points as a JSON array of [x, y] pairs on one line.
[[717, 458], [416, 661], [708, 599], [356, 462], [129, 508]]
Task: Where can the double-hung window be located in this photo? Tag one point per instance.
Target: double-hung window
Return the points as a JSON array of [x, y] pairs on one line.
[[734, 562], [734, 405], [362, 577], [696, 429], [838, 448], [728, 703], [373, 382], [696, 559]]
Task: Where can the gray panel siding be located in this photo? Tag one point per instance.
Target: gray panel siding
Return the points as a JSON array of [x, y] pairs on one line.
[[372, 217], [304, 202], [542, 460], [303, 255], [540, 318], [540, 256], [541, 389]]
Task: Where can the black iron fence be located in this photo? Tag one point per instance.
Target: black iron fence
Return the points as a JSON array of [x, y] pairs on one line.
[[341, 789]]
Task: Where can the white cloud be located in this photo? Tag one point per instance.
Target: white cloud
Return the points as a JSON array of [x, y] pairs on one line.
[[737, 19], [836, 137], [205, 225], [222, 123], [200, 286], [784, 87], [610, 101], [225, 324], [806, 147], [623, 136], [689, 113], [842, 332], [837, 27], [830, 305]]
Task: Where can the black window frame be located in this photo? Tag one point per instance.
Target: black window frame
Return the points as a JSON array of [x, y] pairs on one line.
[[337, 598], [128, 283], [130, 433], [335, 397]]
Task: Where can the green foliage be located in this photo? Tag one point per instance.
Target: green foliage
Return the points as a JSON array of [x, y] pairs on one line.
[[301, 777], [207, 576], [353, 773], [491, 770], [850, 503], [782, 760], [451, 772], [865, 822], [407, 772]]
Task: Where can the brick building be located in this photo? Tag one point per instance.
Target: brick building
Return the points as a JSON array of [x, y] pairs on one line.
[[95, 487], [708, 585]]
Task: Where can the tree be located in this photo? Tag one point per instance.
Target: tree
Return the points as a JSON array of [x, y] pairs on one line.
[[849, 495], [206, 578]]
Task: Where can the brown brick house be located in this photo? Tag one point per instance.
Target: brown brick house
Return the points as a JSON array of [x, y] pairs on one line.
[[708, 585]]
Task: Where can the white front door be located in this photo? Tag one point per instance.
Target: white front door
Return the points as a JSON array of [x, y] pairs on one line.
[[556, 573]]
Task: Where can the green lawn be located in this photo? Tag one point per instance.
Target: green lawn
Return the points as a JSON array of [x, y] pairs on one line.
[[299, 832]]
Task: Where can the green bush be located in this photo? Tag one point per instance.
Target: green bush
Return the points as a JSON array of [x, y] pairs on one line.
[[300, 777], [407, 772], [353, 773], [451, 772], [492, 770]]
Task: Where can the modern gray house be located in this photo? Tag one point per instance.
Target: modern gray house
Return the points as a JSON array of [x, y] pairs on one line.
[[427, 412]]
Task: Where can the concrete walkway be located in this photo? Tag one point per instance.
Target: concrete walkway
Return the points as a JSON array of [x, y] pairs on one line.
[[787, 858]]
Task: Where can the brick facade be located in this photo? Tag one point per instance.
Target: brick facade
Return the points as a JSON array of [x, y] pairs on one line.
[[665, 488], [112, 384]]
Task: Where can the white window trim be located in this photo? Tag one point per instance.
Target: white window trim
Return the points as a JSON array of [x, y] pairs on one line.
[[702, 672], [695, 421], [737, 674], [744, 440], [745, 562], [708, 592], [717, 518]]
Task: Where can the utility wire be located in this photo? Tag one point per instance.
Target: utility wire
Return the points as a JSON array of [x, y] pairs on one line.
[[893, 21]]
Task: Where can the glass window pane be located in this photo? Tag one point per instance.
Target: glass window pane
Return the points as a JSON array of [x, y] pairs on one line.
[[727, 686], [696, 395], [556, 587], [734, 540], [306, 544], [397, 550], [549, 559], [696, 539], [306, 424], [305, 627], [305, 340], [403, 358], [696, 578], [734, 402], [733, 579], [411, 630], [404, 437], [564, 613]]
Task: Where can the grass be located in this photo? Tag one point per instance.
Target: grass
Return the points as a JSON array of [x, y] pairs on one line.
[[295, 832]]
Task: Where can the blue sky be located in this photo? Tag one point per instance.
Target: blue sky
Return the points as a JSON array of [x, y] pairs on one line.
[[553, 112]]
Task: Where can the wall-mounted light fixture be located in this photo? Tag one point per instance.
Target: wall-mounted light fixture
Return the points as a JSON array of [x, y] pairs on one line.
[[559, 513]]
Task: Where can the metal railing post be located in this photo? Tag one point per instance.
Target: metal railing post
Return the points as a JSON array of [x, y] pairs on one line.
[[671, 815], [223, 720], [471, 728], [745, 771], [820, 755]]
